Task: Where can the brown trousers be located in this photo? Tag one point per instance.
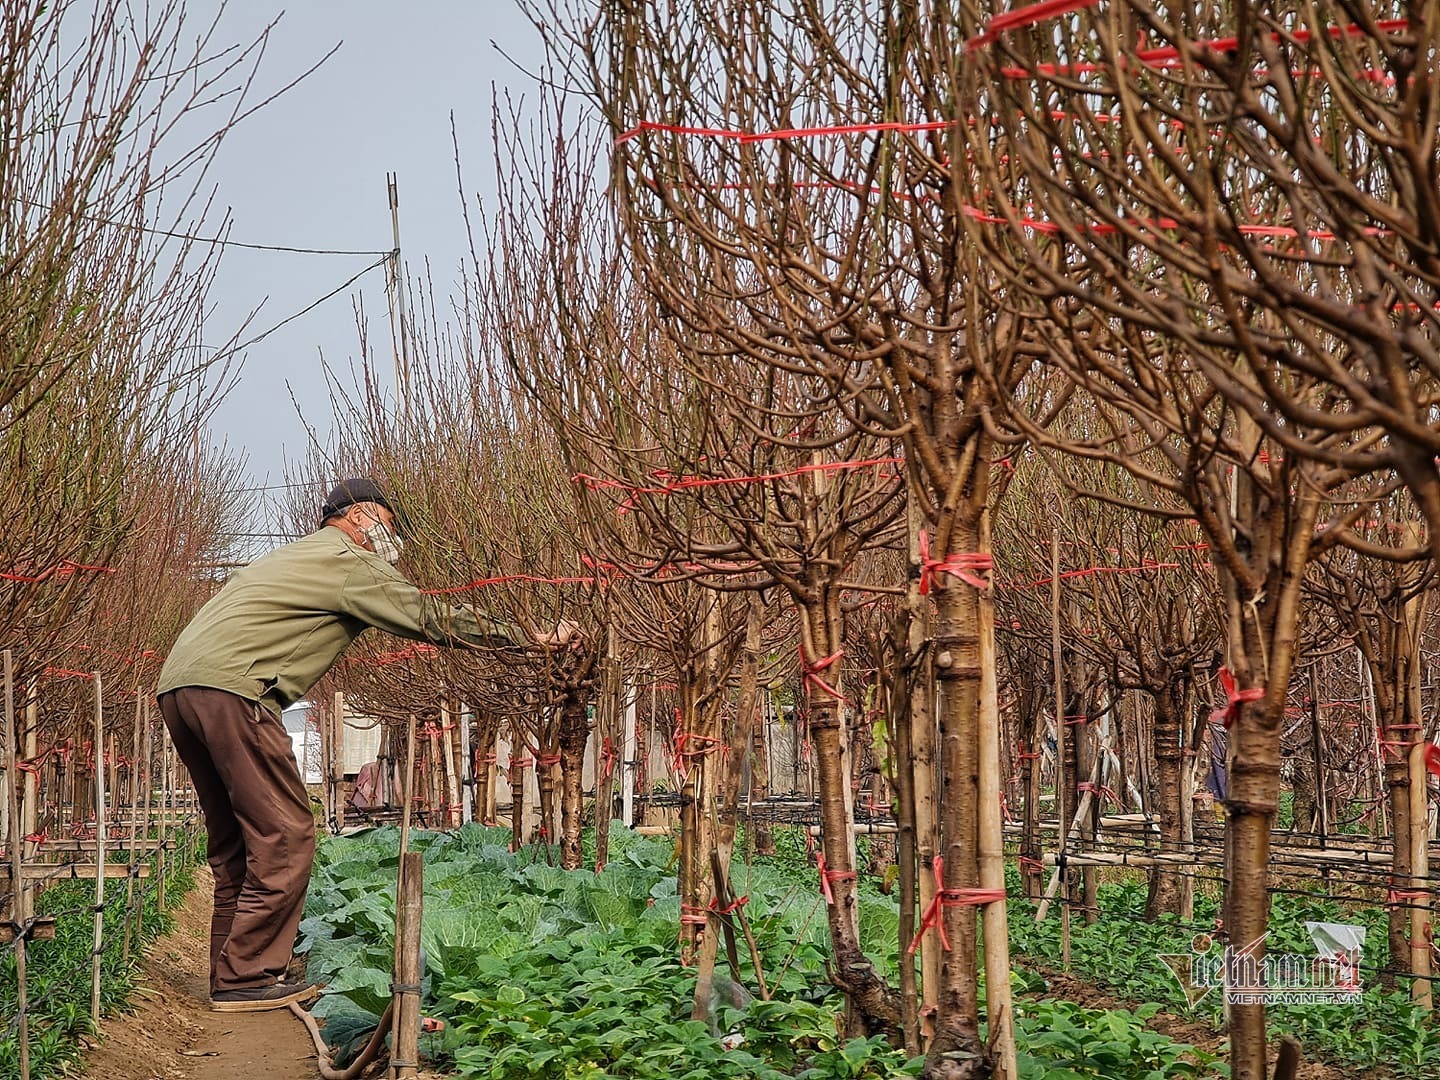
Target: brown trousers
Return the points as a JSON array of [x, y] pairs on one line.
[[262, 832]]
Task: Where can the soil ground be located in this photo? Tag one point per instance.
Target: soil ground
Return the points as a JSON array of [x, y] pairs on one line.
[[173, 1035]]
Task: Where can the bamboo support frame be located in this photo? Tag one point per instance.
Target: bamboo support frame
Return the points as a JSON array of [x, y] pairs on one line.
[[98, 952], [18, 912]]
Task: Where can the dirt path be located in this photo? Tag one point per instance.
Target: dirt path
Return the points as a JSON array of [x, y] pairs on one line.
[[172, 1034]]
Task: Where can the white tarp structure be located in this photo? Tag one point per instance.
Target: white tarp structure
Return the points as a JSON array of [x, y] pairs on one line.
[[304, 739]]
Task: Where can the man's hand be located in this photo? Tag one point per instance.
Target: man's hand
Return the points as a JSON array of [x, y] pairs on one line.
[[565, 633]]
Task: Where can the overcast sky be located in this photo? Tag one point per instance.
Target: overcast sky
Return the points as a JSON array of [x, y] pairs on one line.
[[309, 171]]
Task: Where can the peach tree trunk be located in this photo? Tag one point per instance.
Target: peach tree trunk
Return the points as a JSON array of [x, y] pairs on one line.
[[574, 733], [731, 772], [1165, 885], [1263, 630], [874, 1006], [956, 1052]]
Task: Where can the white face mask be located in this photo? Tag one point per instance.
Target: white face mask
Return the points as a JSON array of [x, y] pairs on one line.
[[385, 543]]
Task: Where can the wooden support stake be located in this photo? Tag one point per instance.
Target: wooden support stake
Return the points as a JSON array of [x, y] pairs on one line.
[[446, 771], [30, 789], [627, 757], [408, 784], [1287, 1063], [465, 765], [405, 1055], [98, 952], [327, 744], [133, 800], [336, 777], [1421, 908], [1057, 657], [163, 858], [991, 846], [13, 841], [923, 738]]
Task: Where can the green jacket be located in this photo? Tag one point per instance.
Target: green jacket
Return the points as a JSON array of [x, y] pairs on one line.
[[280, 623]]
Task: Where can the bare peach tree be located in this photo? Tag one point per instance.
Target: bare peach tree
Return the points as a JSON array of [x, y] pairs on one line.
[[792, 189], [103, 372], [1115, 563], [1383, 608], [1224, 211]]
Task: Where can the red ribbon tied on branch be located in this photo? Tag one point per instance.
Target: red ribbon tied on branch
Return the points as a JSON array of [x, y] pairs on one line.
[[1234, 698], [827, 876], [949, 898], [811, 673], [1432, 758], [958, 564], [1023, 16]]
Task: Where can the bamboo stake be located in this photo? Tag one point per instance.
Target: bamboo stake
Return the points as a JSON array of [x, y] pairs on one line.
[[991, 845], [98, 952], [607, 723], [1057, 657], [927, 811], [1421, 989], [162, 860], [17, 859], [447, 750], [465, 766], [1317, 741], [330, 767], [627, 756], [491, 761], [404, 1060], [141, 811], [1054, 882], [409, 901], [337, 763], [29, 741], [409, 780], [133, 799]]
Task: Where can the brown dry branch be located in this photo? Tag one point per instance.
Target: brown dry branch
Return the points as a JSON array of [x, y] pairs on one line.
[[1141, 608], [1384, 612], [1231, 245], [104, 381]]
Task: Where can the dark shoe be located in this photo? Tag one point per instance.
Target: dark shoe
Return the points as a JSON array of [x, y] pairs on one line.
[[261, 998]]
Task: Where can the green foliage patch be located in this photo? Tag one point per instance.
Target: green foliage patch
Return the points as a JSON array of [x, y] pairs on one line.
[[57, 972], [1382, 1033], [540, 972]]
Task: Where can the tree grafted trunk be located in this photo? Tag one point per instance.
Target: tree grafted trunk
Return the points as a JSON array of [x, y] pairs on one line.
[[764, 839], [518, 755], [1165, 885], [875, 1007], [956, 1052], [573, 734], [1263, 627]]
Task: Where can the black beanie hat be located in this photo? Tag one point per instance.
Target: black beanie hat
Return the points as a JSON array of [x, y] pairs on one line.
[[349, 492]]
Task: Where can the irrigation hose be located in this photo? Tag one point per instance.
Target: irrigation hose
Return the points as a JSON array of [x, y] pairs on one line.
[[322, 1052]]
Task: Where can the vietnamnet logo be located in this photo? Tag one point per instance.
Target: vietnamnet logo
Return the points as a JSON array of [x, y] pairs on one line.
[[1253, 976]]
